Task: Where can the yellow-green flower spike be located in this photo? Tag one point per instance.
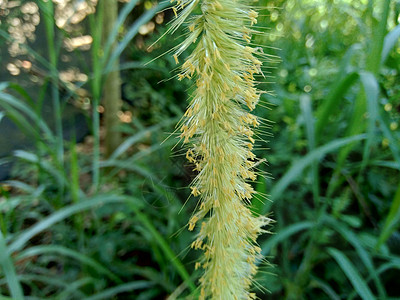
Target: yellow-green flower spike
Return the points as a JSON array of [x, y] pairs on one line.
[[218, 130]]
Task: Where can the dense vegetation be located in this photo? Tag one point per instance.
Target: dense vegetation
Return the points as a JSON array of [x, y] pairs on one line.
[[78, 224]]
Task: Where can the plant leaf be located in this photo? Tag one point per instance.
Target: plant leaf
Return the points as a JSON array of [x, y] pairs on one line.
[[9, 272], [392, 220], [296, 169], [390, 41], [352, 274]]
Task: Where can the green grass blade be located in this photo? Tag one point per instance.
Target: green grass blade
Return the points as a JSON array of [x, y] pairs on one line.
[[387, 164], [356, 126], [394, 142], [139, 136], [258, 202], [50, 168], [46, 280], [18, 104], [357, 123], [60, 215], [120, 21], [295, 170], [361, 251], [165, 247], [352, 274], [390, 41], [392, 220], [332, 102], [127, 287], [283, 235], [305, 105], [34, 191], [9, 272], [131, 33], [325, 287], [85, 260], [346, 66], [371, 89], [373, 62], [392, 264], [21, 91], [128, 164], [73, 287], [21, 121]]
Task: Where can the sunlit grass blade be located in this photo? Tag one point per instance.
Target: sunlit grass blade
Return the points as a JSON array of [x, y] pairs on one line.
[[352, 274], [120, 21], [346, 66], [390, 41], [8, 270], [392, 221], [131, 33]]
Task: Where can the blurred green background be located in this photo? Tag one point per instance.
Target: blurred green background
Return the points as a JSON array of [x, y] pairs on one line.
[[83, 219]]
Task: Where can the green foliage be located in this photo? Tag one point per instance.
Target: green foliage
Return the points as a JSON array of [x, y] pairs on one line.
[[326, 71], [77, 226]]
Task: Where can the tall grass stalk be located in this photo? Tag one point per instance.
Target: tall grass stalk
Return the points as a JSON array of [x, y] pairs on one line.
[[96, 87], [112, 84], [47, 8], [218, 130], [48, 13]]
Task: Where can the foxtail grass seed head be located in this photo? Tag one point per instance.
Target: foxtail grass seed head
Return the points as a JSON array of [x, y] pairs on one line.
[[217, 129]]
